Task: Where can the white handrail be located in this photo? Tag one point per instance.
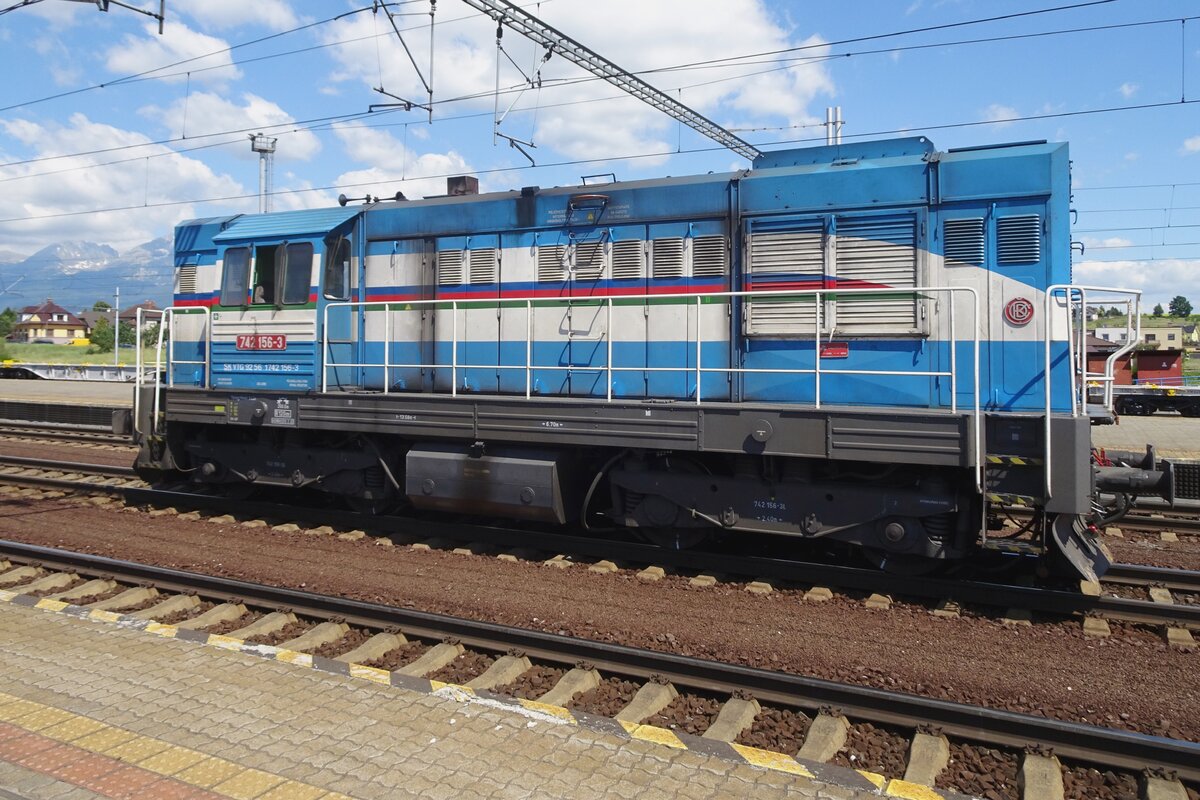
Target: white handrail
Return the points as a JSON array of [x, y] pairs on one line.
[[817, 370], [167, 322], [1069, 293]]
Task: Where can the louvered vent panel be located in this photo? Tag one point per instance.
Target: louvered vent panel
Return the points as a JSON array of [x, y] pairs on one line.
[[589, 261], [799, 251], [550, 265], [449, 267], [667, 258], [709, 256], [768, 317], [962, 241], [628, 260], [484, 266], [187, 279], [1019, 239], [877, 252]]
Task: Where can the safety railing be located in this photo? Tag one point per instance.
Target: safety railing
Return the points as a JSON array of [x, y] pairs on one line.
[[166, 329], [1072, 318], [816, 296]]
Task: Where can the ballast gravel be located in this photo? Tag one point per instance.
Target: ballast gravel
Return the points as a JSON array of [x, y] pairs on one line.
[[1049, 669]]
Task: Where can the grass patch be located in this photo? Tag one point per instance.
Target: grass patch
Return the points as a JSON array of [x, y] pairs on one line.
[[69, 354]]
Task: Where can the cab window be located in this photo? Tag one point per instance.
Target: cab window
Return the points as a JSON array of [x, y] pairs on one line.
[[337, 269], [235, 280], [265, 272], [296, 272]]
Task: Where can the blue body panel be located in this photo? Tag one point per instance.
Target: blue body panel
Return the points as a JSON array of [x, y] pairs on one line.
[[824, 185]]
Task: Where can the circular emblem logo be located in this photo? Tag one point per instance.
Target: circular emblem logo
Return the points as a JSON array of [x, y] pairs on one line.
[[1018, 311]]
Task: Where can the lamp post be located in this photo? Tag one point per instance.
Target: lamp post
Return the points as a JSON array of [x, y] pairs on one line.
[[265, 147]]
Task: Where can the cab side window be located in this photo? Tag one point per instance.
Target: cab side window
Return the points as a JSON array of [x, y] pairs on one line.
[[337, 270], [296, 272], [236, 276], [265, 272]]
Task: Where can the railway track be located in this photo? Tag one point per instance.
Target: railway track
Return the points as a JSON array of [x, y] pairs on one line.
[[72, 434], [1176, 617], [581, 664]]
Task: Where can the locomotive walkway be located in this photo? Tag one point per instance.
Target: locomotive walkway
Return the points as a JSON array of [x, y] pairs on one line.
[[94, 710]]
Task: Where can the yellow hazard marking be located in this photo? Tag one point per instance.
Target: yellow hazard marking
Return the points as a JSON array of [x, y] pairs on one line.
[[209, 772], [436, 685], [40, 718], [46, 604], [873, 777], [294, 657], [650, 733], [771, 760], [226, 642], [546, 708], [137, 750], [291, 790], [104, 740], [911, 791], [370, 674], [7, 596], [248, 784], [173, 759], [104, 616], [168, 631], [72, 729]]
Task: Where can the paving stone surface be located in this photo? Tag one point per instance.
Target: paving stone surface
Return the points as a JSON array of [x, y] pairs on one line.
[[300, 733]]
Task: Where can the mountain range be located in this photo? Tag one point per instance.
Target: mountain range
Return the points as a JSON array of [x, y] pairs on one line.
[[77, 274]]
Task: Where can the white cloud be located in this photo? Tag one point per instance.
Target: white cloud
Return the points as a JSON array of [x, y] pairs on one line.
[[1160, 280], [207, 112], [1000, 114], [1111, 241], [1191, 145], [1132, 156], [178, 42], [218, 14], [393, 167], [658, 34], [1128, 89], [168, 177]]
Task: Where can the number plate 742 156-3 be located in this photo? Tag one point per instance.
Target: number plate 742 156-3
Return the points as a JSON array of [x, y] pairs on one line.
[[261, 341]]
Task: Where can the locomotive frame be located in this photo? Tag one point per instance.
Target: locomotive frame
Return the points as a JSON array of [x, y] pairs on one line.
[[779, 350]]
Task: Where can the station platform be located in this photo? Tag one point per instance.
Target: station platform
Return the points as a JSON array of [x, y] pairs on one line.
[[92, 708], [95, 393]]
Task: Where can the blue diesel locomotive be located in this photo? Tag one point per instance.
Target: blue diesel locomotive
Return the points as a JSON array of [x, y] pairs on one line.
[[875, 344]]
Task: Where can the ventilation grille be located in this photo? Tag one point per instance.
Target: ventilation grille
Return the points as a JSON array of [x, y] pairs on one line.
[[589, 261], [769, 316], [187, 279], [877, 252], [550, 262], [963, 241], [709, 256], [667, 258], [628, 259], [801, 251], [1019, 239], [484, 266], [449, 267]]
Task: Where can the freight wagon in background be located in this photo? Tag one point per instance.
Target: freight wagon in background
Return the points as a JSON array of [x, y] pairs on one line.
[[1144, 381], [869, 346]]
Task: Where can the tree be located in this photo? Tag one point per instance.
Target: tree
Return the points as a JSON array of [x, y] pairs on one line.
[[1158, 310], [1113, 311], [100, 305], [8, 318], [102, 336], [1180, 307]]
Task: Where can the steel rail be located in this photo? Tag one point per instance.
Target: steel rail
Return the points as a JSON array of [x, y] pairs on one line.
[[1184, 580], [1103, 746], [61, 433], [66, 466]]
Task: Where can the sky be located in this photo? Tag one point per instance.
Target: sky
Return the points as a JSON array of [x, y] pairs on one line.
[[112, 133]]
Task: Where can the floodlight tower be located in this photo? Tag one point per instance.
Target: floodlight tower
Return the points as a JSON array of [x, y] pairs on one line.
[[265, 147]]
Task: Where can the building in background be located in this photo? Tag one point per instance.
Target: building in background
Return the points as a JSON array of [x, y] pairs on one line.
[[48, 323]]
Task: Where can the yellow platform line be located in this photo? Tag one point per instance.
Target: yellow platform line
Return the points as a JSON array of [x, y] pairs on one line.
[[193, 767]]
